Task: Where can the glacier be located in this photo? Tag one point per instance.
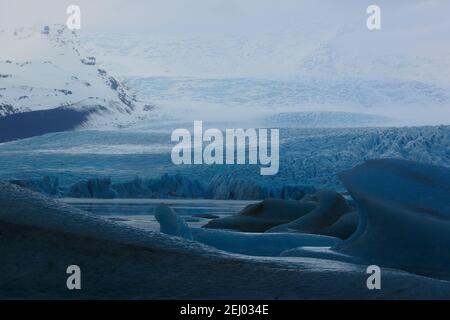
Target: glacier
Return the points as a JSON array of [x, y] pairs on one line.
[[311, 159], [221, 187], [338, 80]]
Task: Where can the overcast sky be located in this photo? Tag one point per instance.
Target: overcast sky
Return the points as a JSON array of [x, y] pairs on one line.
[[224, 16]]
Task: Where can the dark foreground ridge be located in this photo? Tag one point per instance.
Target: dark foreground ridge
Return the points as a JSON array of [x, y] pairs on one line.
[[35, 123], [403, 229]]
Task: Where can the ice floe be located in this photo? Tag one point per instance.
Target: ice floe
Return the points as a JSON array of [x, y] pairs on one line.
[[313, 214], [255, 244]]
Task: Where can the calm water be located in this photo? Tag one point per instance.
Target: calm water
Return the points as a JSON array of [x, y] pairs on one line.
[[139, 212]]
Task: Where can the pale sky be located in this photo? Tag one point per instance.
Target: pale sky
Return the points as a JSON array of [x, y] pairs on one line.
[[225, 16]]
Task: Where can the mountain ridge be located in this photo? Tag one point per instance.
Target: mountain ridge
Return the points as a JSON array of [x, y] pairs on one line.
[[47, 70]]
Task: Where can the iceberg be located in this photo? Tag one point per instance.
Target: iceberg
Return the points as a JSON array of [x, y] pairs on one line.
[[254, 244], [171, 223], [330, 207], [314, 214], [344, 227], [263, 216], [404, 215], [404, 218]]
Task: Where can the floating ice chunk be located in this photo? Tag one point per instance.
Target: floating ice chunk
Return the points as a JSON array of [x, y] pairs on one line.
[[314, 214], [405, 215], [330, 207], [262, 216], [344, 227], [259, 244], [256, 244], [171, 223], [324, 252], [404, 221]]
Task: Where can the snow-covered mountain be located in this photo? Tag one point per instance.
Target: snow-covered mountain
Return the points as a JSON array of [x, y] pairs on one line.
[[291, 55], [44, 73], [348, 71]]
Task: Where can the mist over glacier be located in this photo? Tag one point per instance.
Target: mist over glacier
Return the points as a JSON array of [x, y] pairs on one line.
[[323, 60], [254, 59]]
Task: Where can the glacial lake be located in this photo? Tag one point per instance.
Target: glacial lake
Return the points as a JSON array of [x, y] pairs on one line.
[[140, 212]]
